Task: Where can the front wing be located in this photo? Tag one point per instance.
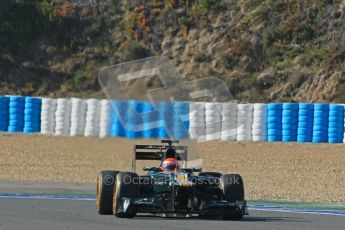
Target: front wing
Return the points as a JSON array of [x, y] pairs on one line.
[[153, 206]]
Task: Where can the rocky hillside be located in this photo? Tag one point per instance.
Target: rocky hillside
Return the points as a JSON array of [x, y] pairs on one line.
[[265, 50]]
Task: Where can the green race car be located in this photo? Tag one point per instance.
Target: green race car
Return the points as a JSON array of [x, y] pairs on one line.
[[170, 190]]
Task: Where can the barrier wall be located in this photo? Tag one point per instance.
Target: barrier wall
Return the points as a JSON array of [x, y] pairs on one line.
[[287, 122]]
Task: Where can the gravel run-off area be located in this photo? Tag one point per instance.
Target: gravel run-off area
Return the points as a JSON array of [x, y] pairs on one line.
[[271, 171]]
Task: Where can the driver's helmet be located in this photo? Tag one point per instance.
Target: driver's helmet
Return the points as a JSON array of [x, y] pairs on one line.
[[170, 165], [170, 152]]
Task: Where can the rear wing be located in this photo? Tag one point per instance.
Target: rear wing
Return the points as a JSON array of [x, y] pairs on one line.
[[157, 152]]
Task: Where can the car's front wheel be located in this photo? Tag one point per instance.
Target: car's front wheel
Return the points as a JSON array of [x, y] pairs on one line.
[[233, 190], [127, 186], [104, 191]]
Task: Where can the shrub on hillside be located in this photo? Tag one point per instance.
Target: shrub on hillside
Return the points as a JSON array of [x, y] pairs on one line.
[[134, 50]]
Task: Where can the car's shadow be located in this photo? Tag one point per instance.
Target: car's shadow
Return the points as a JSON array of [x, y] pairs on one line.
[[281, 219]]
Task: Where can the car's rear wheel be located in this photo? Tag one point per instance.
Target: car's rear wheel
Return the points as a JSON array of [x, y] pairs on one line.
[[127, 186], [233, 190], [104, 191]]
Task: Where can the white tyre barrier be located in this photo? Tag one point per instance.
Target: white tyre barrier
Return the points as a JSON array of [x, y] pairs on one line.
[[105, 112], [259, 138], [62, 117], [259, 128], [78, 113], [229, 121], [244, 122], [92, 118], [197, 121], [243, 137], [48, 116], [213, 118]]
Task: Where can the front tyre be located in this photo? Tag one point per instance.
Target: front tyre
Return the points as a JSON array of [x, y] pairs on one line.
[[233, 190], [127, 186], [104, 191]]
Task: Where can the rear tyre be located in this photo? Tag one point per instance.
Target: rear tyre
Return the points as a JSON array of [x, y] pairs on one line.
[[127, 186], [233, 190], [104, 191]]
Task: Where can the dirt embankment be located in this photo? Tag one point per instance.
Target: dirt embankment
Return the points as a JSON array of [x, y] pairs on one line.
[[274, 171]]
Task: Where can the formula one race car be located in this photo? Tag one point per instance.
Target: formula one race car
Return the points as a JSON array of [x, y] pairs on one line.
[[170, 190]]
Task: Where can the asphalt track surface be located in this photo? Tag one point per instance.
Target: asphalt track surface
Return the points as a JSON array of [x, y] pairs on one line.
[[56, 214]]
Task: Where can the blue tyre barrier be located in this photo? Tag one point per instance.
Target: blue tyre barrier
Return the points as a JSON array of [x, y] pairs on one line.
[[335, 135], [118, 107], [336, 107], [321, 121], [320, 114], [275, 106], [319, 140], [274, 120], [336, 123], [306, 113], [293, 127], [320, 133], [3, 106], [274, 132], [334, 130], [321, 128], [274, 126], [290, 113], [292, 138], [335, 140], [180, 120], [290, 106], [304, 138], [133, 121], [321, 107], [14, 129], [4, 100], [274, 138], [289, 132], [336, 113], [306, 119], [336, 119], [165, 114], [150, 118], [4, 113], [274, 113], [305, 132], [32, 115], [33, 100], [306, 106], [290, 122], [16, 113], [17, 104], [33, 106], [304, 124]]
